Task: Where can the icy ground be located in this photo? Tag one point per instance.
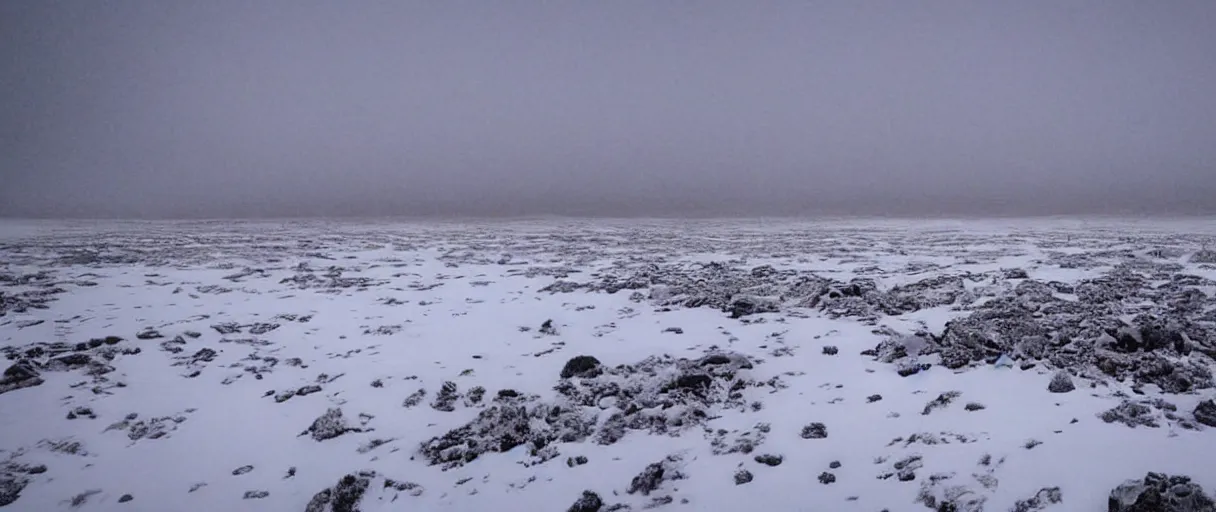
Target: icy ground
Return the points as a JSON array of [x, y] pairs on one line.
[[610, 365]]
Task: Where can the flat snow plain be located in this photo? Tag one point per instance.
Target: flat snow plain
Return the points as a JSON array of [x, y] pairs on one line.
[[719, 345]]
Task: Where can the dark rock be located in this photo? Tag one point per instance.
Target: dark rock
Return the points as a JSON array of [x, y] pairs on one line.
[[576, 461], [547, 328], [308, 390], [674, 330], [588, 502], [11, 486], [906, 468], [125, 498], [1158, 492], [743, 476], [329, 425], [1041, 500], [815, 431], [82, 498], [1130, 413], [19, 375], [414, 399], [71, 361], [941, 401], [1014, 273], [827, 478], [1205, 413], [227, 328], [343, 497], [581, 366], [770, 459], [242, 470], [204, 355], [475, 396], [696, 381], [262, 328], [745, 306], [411, 487], [648, 480], [639, 396], [974, 406], [910, 369], [654, 475], [834, 464], [149, 334], [445, 400], [830, 350], [256, 495], [1061, 382], [873, 398]]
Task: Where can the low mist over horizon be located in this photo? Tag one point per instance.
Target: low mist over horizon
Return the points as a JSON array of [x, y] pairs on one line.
[[276, 108]]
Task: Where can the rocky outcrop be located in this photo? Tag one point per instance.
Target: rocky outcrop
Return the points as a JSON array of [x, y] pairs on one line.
[[659, 395], [1157, 492]]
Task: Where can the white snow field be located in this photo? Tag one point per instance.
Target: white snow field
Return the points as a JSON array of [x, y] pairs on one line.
[[767, 365]]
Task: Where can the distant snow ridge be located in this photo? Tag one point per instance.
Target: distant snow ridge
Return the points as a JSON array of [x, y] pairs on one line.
[[659, 395]]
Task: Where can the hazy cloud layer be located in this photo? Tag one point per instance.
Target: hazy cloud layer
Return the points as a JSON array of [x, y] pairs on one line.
[[298, 107]]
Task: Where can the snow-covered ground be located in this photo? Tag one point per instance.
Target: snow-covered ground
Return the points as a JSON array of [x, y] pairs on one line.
[[728, 370]]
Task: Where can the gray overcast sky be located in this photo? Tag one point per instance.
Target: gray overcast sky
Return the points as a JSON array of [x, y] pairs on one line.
[[165, 108]]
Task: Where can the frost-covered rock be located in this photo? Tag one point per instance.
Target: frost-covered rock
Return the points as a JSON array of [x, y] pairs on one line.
[[1204, 256], [588, 502], [342, 497], [1061, 382], [940, 402], [943, 492], [445, 400], [655, 474], [1042, 500], [355, 491], [329, 425], [815, 431], [1157, 492], [659, 395], [1132, 414]]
